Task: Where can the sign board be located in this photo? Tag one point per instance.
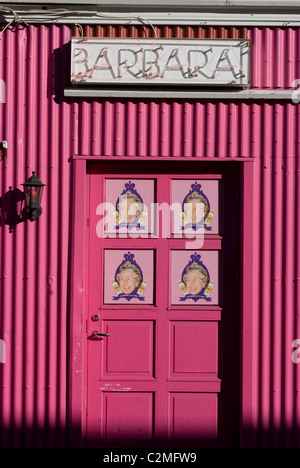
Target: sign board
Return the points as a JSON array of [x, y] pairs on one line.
[[205, 62]]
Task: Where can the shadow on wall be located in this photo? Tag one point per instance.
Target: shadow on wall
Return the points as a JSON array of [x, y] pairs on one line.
[[59, 72], [55, 438], [12, 210], [60, 437]]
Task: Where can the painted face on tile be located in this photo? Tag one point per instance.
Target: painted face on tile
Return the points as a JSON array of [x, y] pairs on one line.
[[194, 211], [129, 210], [128, 281], [194, 282]]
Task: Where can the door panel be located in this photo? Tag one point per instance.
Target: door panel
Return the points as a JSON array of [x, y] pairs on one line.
[[130, 353], [194, 418], [129, 418], [159, 368], [179, 261], [114, 261], [194, 350]]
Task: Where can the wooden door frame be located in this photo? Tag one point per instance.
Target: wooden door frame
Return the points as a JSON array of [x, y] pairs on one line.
[[76, 385]]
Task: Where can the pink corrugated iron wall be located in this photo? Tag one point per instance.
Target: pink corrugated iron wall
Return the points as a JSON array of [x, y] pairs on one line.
[[44, 130]]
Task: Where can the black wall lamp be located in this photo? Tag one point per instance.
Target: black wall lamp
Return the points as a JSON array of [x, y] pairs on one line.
[[33, 190]]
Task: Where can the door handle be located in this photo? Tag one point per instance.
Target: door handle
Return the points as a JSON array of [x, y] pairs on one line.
[[96, 333]]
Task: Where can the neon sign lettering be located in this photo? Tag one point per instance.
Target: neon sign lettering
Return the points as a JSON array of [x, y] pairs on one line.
[[133, 61]]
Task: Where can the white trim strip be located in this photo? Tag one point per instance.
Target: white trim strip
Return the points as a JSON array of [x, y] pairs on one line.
[[182, 4], [127, 17], [290, 95]]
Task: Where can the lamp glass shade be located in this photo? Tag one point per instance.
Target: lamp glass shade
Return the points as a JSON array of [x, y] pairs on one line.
[[33, 190], [33, 196]]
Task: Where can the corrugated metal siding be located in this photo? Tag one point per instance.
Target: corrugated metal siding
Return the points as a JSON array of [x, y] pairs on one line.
[[276, 298], [43, 130], [189, 129], [34, 256]]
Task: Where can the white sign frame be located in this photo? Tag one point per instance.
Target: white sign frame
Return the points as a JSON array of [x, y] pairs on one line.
[[196, 62]]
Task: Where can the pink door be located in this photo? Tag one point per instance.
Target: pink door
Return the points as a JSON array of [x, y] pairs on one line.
[[159, 363]]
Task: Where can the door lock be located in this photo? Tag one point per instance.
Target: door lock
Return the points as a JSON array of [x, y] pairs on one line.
[[95, 317]]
